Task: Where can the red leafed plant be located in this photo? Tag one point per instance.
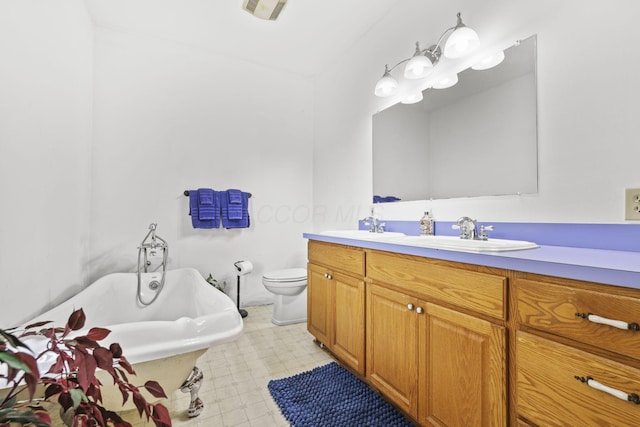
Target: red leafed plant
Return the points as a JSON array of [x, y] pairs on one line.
[[72, 377]]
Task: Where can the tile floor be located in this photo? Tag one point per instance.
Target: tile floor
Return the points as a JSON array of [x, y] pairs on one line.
[[236, 375]]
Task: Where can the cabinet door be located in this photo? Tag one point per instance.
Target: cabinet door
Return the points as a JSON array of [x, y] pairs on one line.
[[348, 323], [319, 305], [392, 345], [462, 370]]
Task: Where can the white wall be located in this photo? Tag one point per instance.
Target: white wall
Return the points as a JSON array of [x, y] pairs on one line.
[[45, 142], [170, 118], [587, 110]]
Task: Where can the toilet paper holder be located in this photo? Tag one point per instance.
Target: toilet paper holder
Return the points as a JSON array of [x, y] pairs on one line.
[[243, 268]]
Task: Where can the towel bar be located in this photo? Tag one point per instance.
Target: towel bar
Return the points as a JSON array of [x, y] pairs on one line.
[[186, 193]]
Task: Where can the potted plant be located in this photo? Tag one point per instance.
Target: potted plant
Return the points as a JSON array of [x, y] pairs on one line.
[[71, 379]]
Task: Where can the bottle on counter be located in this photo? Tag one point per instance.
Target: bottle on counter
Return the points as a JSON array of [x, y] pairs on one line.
[[427, 227]]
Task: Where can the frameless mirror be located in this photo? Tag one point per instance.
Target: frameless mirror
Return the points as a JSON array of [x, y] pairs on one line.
[[477, 138]]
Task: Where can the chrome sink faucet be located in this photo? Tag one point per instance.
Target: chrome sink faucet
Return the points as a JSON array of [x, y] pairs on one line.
[[374, 224], [469, 229]]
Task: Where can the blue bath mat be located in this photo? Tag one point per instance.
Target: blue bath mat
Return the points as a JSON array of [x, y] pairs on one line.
[[330, 396]]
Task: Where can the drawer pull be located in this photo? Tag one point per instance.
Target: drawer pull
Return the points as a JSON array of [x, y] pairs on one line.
[[604, 321], [409, 307], [634, 398]]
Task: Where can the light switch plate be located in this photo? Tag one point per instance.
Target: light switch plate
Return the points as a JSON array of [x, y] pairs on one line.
[[632, 204]]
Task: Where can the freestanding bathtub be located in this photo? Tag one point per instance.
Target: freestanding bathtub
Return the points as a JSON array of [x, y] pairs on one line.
[[162, 340]]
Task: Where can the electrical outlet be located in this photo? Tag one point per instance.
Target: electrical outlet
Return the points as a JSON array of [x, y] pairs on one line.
[[632, 204]]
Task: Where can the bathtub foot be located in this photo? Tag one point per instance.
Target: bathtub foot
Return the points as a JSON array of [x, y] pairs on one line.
[[192, 385]]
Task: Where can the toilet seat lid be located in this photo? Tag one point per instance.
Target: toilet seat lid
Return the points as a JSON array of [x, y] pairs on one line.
[[286, 275]]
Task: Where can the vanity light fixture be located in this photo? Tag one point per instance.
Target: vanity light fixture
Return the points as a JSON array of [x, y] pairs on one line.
[[461, 40], [264, 9], [445, 81], [489, 61], [413, 97]]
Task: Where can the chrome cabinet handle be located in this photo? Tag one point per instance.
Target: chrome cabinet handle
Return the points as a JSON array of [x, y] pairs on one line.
[[409, 307], [610, 322], [329, 276], [419, 310], [633, 397]]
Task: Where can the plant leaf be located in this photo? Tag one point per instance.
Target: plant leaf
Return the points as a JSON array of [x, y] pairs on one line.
[[13, 361], [37, 324], [76, 320], [86, 368], [97, 334], [33, 376], [65, 400], [77, 396], [161, 415], [13, 340], [104, 358], [126, 365], [140, 403], [52, 390], [155, 389], [116, 350]]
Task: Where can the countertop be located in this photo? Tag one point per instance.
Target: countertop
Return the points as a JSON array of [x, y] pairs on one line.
[[612, 267]]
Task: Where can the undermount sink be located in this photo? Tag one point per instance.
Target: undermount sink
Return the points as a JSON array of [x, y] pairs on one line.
[[362, 234], [454, 243]]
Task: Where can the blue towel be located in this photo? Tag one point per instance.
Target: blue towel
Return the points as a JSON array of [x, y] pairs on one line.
[[230, 210], [234, 208], [380, 199], [206, 205], [198, 218]]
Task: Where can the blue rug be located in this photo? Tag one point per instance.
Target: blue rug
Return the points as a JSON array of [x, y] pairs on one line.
[[331, 396]]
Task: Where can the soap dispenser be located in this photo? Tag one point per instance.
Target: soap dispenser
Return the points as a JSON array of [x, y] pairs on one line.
[[427, 225]]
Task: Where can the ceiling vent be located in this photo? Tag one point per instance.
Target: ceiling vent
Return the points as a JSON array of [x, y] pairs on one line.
[[264, 9]]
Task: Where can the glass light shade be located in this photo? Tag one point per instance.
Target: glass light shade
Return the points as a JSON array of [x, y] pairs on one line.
[[386, 86], [489, 61], [445, 81], [418, 67], [462, 41], [413, 97]]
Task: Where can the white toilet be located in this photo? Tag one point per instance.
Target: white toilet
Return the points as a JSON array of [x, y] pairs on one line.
[[290, 289]]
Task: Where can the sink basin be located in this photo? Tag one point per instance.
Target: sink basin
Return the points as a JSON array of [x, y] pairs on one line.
[[454, 243], [362, 234]]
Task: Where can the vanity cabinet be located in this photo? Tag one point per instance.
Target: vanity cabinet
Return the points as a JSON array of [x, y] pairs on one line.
[[572, 370], [335, 301], [442, 366], [456, 344]]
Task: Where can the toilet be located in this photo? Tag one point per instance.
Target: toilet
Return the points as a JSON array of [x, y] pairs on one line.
[[290, 289]]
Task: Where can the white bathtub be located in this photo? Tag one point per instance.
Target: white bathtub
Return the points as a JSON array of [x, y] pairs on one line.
[[162, 340]]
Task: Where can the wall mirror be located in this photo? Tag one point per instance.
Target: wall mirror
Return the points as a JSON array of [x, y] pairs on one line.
[[477, 138]]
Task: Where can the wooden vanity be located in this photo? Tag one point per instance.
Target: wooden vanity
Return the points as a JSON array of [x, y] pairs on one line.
[[459, 344]]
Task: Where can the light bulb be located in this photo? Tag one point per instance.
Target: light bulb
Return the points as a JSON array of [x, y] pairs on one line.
[[445, 81], [413, 97], [489, 61], [418, 67], [462, 41], [386, 86]]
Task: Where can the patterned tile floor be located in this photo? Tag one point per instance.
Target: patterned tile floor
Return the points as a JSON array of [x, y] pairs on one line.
[[236, 375]]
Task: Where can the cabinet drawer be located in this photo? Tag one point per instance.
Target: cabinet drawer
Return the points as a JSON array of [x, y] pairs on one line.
[[553, 308], [481, 292], [548, 393], [345, 258]]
